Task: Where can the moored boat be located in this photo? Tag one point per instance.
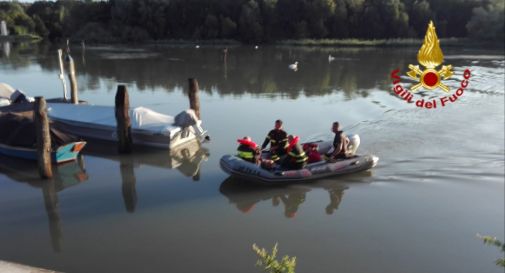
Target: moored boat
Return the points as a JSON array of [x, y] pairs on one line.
[[149, 128], [17, 139]]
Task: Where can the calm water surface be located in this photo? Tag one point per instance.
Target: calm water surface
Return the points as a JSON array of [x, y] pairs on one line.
[[439, 182]]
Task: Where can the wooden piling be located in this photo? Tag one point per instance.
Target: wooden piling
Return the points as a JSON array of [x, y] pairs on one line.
[[194, 98], [43, 136], [123, 122], [62, 74], [74, 98]]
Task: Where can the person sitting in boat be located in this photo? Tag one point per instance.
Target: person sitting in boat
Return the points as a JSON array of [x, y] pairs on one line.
[[312, 152], [248, 150], [278, 140], [296, 158], [340, 142]]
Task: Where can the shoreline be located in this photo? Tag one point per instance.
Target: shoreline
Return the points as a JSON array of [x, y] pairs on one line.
[[399, 42], [20, 38]]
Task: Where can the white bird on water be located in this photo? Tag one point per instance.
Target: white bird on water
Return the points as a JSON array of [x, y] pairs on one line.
[[197, 46], [330, 58], [256, 47], [294, 66]]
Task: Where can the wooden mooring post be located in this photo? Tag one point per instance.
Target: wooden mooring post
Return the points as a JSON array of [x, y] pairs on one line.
[[62, 74], [43, 136], [123, 122], [74, 98], [194, 98]]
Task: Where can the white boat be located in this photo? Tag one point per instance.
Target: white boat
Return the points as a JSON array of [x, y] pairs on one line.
[[89, 122], [148, 127]]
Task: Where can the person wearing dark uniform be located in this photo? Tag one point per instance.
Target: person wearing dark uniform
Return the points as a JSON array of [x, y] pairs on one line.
[[295, 158], [248, 150], [339, 143], [278, 140]]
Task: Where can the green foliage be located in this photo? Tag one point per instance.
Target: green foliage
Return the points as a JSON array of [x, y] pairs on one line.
[[269, 263], [228, 27], [488, 240], [487, 21], [18, 22], [253, 21]]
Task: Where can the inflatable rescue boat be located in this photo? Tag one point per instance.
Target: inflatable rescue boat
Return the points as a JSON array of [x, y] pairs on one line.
[[237, 167]]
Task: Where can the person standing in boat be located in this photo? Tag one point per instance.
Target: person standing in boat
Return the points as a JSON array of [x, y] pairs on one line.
[[340, 142], [296, 158], [278, 140], [248, 150]]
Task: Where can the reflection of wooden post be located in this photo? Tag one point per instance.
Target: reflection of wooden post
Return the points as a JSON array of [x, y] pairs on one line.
[[194, 99], [225, 61], [123, 123], [73, 81], [43, 138], [51, 204], [83, 52], [129, 189]]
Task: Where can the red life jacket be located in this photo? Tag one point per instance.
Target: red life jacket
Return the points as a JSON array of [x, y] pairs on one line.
[[292, 144], [248, 143]]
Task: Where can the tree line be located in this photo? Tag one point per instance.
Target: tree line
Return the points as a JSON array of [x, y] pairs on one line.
[[253, 21]]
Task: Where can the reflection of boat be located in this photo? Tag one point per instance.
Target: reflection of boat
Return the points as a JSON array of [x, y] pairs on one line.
[[186, 158], [245, 195], [235, 166], [64, 176], [18, 139], [148, 127]]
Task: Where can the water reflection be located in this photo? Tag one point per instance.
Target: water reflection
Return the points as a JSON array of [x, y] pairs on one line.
[[245, 195], [186, 158], [234, 70], [64, 176]]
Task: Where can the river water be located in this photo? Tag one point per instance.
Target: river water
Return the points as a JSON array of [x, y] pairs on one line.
[[439, 181]]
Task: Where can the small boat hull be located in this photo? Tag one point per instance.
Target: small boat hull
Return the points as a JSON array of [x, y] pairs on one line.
[[238, 167], [89, 131], [148, 128], [64, 153]]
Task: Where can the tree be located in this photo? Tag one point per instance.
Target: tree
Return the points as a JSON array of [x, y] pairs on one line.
[[228, 27], [250, 28], [17, 20], [420, 15], [487, 22]]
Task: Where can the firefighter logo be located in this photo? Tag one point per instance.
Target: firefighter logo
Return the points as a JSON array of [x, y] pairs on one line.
[[428, 77], [430, 56]]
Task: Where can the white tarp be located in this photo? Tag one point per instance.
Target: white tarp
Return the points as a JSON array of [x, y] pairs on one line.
[[141, 118], [6, 91], [9, 94]]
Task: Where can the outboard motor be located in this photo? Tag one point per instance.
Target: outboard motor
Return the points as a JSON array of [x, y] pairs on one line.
[[353, 145], [188, 118]]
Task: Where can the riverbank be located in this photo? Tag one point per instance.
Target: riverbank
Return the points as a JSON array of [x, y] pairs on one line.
[[400, 42]]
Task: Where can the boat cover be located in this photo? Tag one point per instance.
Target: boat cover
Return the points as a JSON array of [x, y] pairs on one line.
[[10, 95], [141, 118], [18, 129]]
